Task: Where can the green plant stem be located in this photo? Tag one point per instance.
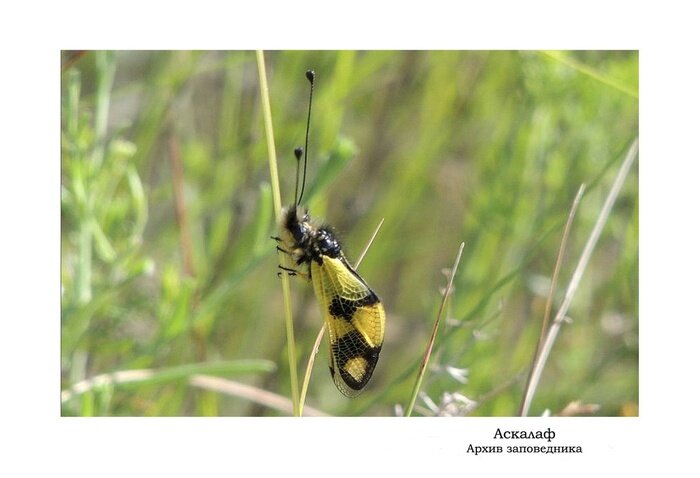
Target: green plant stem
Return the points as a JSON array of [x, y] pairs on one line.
[[165, 375], [566, 59], [580, 268], [106, 67], [310, 365], [529, 392], [431, 342], [79, 173], [277, 204], [248, 392]]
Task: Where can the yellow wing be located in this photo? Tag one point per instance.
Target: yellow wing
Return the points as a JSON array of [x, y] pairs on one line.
[[355, 321]]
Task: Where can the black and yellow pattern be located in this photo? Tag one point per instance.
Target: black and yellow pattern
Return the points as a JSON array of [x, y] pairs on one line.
[[353, 313]]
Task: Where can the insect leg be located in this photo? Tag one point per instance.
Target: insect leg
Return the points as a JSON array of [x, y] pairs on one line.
[[278, 247], [291, 272]]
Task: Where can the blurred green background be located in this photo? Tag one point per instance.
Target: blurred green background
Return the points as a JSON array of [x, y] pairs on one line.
[[169, 275]]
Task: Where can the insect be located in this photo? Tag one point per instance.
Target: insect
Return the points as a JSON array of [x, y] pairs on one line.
[[353, 313]]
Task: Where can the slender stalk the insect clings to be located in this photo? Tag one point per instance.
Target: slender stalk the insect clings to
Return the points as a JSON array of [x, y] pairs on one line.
[[277, 203]]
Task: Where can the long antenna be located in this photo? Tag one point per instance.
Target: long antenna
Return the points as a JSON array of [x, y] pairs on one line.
[[298, 151], [310, 75]]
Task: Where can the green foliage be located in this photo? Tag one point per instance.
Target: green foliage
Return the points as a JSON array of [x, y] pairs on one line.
[[166, 272]]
